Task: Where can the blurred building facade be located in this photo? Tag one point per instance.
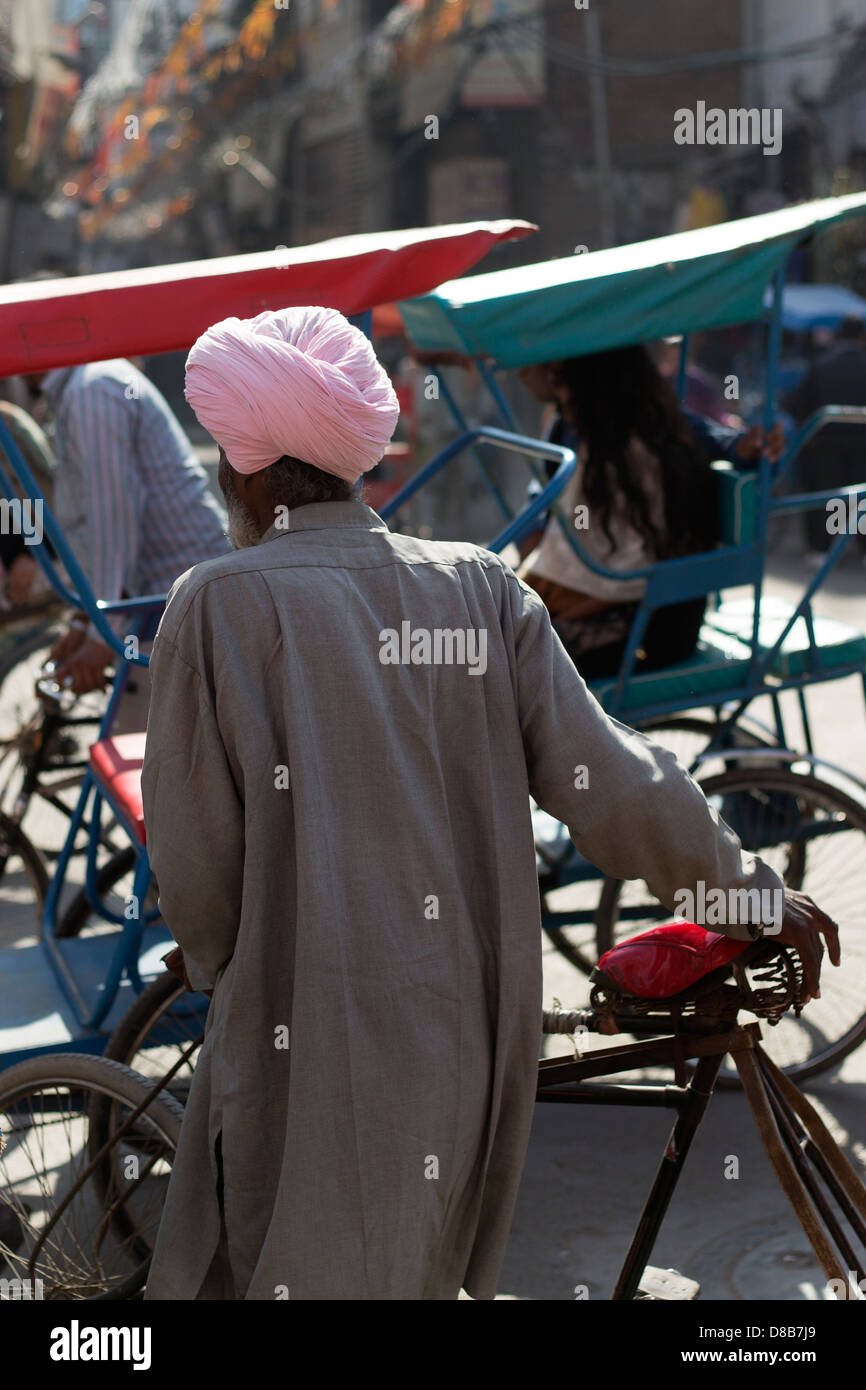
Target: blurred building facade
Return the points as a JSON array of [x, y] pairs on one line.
[[147, 130]]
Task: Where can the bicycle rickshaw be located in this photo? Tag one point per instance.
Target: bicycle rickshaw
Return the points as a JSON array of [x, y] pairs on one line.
[[767, 984], [803, 815]]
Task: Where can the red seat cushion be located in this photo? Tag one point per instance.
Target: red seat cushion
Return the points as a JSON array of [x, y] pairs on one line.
[[667, 960], [116, 765]]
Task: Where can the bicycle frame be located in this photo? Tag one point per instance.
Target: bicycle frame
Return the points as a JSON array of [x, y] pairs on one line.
[[790, 1129]]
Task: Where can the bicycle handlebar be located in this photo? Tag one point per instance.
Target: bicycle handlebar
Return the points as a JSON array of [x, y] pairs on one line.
[[569, 1021], [827, 415]]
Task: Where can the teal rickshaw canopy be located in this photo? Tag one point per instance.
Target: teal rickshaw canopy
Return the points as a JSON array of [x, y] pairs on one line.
[[594, 301]]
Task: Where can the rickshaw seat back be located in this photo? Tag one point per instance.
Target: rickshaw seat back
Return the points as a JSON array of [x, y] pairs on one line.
[[116, 766], [694, 576], [665, 961], [738, 504]]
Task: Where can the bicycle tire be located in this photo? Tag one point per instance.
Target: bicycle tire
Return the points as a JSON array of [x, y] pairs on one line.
[[128, 1045], [113, 1083], [748, 735], [15, 844], [128, 1037]]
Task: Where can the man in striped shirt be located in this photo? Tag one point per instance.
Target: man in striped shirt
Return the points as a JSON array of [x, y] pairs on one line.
[[130, 494]]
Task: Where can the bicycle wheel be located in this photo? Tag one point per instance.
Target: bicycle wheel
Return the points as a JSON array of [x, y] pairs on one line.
[[23, 872], [164, 1026], [162, 1023], [689, 735], [814, 836], [24, 648], [57, 1225]]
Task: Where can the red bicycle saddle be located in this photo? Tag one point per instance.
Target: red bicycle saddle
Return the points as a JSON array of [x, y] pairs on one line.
[[665, 961], [116, 764]]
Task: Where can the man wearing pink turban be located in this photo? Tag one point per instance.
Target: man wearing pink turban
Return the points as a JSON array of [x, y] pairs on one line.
[[294, 385], [345, 730], [298, 382]]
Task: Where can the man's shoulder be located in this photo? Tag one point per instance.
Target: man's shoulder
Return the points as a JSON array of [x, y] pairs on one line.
[[112, 369], [197, 579], [413, 550], [478, 568], [189, 586]]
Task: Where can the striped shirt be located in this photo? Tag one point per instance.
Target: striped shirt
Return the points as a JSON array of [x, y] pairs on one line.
[[132, 498]]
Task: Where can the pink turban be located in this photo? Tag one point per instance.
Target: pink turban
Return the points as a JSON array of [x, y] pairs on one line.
[[303, 382]]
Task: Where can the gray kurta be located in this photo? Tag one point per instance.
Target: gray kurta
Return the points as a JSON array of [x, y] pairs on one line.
[[383, 906]]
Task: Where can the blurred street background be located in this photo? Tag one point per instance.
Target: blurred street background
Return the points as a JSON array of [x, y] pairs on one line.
[[144, 132]]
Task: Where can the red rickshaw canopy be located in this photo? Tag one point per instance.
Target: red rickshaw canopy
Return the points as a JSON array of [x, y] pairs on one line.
[[124, 313]]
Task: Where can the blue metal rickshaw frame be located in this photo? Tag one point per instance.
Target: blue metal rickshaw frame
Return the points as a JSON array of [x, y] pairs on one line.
[[501, 319], [75, 590]]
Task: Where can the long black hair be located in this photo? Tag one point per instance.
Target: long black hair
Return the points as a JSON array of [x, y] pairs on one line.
[[613, 397]]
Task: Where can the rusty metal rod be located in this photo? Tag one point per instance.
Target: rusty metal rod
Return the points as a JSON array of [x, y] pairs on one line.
[[786, 1172], [786, 1121]]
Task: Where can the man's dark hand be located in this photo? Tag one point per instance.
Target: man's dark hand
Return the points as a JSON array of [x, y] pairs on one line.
[[84, 669], [175, 963], [69, 641], [803, 925]]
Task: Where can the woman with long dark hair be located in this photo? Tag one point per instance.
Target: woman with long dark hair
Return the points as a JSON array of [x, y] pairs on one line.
[[643, 491]]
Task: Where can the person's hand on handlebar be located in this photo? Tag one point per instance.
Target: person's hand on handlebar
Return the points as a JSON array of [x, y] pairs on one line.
[[82, 664], [803, 926], [73, 638]]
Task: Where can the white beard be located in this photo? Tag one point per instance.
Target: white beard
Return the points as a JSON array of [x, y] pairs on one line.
[[242, 531]]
